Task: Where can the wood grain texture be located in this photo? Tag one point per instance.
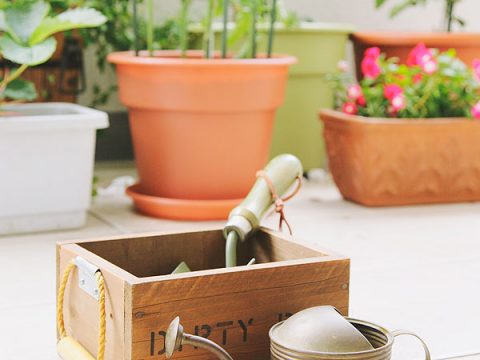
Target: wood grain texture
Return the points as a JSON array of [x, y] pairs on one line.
[[81, 310], [234, 307]]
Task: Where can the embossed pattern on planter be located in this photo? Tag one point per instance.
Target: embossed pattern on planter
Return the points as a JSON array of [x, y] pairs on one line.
[[381, 162]]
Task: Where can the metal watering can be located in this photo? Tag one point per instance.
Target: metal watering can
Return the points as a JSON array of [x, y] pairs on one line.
[[318, 333]]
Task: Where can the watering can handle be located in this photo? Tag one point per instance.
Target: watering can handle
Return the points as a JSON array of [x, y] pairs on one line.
[[398, 333], [282, 172]]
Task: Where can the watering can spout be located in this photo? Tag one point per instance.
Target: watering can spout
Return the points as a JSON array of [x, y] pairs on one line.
[[175, 338]]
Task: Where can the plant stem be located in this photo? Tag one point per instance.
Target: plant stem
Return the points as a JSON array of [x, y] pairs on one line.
[[135, 27], [254, 28], [184, 27], [273, 18], [225, 28], [207, 35], [150, 27], [9, 78], [449, 14]]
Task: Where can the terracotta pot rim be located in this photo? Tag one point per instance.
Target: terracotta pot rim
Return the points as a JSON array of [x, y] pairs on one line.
[[194, 58], [441, 39], [338, 115]]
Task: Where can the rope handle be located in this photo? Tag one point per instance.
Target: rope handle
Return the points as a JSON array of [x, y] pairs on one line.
[[278, 201], [101, 296]]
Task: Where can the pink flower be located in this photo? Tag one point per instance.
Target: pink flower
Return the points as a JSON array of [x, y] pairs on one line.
[[476, 110], [417, 78], [391, 91], [354, 92], [343, 66], [350, 108], [423, 57], [371, 68], [361, 100], [398, 103], [370, 63], [373, 52], [430, 67], [476, 68]]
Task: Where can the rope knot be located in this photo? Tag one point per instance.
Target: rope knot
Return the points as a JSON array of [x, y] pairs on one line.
[[279, 202]]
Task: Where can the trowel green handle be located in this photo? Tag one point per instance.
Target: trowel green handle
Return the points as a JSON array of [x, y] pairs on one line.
[[245, 219]]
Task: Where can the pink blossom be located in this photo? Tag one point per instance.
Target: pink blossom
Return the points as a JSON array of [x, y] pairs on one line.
[[371, 68], [417, 78], [391, 91], [350, 108], [398, 103], [373, 52], [371, 64], [343, 66], [476, 110], [423, 57], [476, 68], [430, 67], [361, 100], [354, 92]]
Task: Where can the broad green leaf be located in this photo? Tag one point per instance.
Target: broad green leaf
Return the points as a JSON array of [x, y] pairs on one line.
[[23, 19], [68, 20], [379, 3], [3, 23], [28, 55], [20, 89]]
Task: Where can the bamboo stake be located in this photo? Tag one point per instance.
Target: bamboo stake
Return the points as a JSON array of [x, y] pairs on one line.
[[225, 28], [150, 27], [271, 33], [135, 27], [254, 29]]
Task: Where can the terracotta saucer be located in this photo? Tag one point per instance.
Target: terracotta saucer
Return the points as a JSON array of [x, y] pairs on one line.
[[180, 209]]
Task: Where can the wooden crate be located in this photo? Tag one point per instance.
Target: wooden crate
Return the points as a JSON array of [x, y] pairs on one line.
[[234, 307]]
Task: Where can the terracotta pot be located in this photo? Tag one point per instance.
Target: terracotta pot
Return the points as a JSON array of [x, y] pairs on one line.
[[381, 162], [201, 128], [399, 44]]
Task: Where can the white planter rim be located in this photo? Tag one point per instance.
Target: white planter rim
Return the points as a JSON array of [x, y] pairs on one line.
[[50, 116]]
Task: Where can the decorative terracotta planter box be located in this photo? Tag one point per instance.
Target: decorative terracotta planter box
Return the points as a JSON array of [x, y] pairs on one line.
[[381, 162], [234, 307]]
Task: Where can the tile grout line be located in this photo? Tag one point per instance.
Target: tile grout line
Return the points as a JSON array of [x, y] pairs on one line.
[[107, 222]]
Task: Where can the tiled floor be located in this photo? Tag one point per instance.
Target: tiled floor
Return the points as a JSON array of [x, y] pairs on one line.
[[412, 267]]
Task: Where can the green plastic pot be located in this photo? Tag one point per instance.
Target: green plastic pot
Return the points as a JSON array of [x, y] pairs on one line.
[[318, 47]]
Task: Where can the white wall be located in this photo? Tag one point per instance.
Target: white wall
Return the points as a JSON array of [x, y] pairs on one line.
[[361, 13]]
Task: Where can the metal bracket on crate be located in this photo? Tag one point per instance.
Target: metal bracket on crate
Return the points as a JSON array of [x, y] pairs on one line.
[[87, 280]]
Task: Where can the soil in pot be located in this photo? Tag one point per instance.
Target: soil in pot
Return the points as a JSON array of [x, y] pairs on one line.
[[201, 128], [399, 44], [383, 162]]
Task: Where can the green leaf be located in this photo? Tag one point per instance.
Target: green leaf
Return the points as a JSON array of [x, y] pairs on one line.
[[379, 3], [28, 55], [23, 19], [68, 20], [3, 23], [20, 89]]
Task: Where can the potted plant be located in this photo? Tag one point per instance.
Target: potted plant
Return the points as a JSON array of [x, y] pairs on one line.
[[46, 149], [318, 48], [398, 44], [407, 134], [201, 121]]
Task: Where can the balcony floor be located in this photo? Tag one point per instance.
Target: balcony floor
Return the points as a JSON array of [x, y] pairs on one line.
[[415, 268]]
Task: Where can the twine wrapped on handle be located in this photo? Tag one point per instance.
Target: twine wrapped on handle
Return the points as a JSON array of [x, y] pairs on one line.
[[278, 201]]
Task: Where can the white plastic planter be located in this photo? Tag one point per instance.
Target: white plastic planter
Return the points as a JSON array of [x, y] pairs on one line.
[[46, 165]]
